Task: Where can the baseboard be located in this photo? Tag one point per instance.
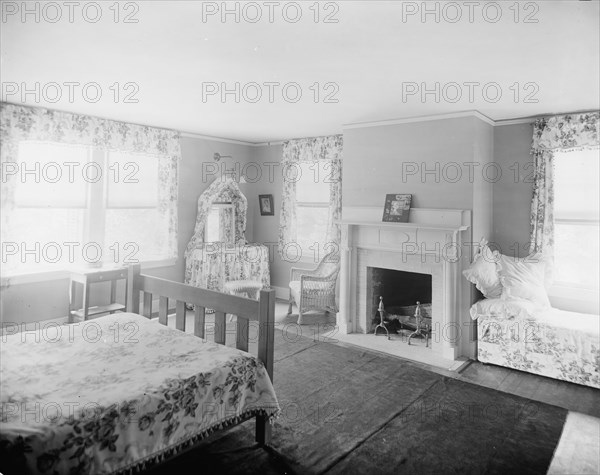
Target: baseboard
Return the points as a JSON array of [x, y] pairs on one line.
[[282, 293]]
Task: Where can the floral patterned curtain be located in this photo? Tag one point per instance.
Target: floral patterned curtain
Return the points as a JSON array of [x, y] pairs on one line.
[[308, 150], [22, 123], [221, 190], [564, 133]]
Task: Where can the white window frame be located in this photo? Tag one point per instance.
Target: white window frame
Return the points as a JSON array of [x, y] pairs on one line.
[[93, 228], [570, 295]]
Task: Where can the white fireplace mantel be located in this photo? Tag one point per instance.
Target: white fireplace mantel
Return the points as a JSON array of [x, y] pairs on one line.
[[406, 226], [436, 242], [425, 218]]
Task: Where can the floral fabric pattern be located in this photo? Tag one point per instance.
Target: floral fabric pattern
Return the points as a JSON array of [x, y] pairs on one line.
[[542, 204], [22, 123], [553, 343], [212, 265], [564, 132], [309, 150], [119, 391], [225, 190], [334, 231]]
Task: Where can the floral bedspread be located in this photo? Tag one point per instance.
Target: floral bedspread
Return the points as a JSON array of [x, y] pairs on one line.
[[116, 392], [551, 342]]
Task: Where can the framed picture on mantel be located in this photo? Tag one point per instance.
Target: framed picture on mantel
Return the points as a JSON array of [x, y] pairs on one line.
[[397, 208]]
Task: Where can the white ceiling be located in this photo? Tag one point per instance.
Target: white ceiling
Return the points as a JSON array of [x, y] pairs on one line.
[[369, 53]]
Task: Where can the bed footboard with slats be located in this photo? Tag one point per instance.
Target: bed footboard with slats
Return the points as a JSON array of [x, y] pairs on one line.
[[144, 287]]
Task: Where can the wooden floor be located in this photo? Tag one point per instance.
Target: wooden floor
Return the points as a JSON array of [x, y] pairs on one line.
[[573, 397]]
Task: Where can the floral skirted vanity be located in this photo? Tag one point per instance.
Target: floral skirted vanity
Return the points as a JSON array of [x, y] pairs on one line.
[[209, 264]]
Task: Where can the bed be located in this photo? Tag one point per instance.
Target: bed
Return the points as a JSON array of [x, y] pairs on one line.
[[123, 392], [518, 328], [546, 341]]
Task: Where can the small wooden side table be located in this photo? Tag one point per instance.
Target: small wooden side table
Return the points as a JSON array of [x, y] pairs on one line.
[[86, 277]]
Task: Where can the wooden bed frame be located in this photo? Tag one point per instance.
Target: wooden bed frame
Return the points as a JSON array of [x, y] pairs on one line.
[[262, 310]]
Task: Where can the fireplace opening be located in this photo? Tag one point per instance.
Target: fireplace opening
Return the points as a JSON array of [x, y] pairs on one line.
[[400, 291]]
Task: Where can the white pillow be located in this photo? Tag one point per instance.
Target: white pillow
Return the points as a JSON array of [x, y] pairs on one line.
[[484, 275], [523, 278], [537, 258]]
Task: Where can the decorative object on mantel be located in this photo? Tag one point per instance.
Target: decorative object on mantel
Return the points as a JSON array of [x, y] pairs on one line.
[[397, 208], [381, 311], [266, 205]]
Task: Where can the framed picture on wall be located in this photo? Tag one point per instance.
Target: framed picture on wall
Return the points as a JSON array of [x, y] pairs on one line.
[[266, 205], [397, 208]]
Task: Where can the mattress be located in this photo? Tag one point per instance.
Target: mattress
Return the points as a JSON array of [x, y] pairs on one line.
[[117, 392]]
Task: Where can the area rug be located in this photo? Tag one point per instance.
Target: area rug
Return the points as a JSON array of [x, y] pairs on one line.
[[347, 411]]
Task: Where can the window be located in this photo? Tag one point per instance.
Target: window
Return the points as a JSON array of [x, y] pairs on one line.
[[312, 208], [77, 205], [577, 218]]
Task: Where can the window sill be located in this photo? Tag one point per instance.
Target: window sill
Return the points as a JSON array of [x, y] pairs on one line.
[[33, 277], [47, 276]]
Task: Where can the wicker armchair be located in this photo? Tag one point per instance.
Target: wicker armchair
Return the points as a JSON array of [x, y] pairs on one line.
[[315, 289]]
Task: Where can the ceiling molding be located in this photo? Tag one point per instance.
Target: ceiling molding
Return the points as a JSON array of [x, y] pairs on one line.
[[524, 120], [424, 118], [532, 119], [192, 135], [268, 144], [408, 120]]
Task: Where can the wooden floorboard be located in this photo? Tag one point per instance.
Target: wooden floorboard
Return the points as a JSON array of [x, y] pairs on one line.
[[571, 396], [485, 375]]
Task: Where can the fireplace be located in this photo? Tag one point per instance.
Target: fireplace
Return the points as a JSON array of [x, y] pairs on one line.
[[420, 261], [398, 289]]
